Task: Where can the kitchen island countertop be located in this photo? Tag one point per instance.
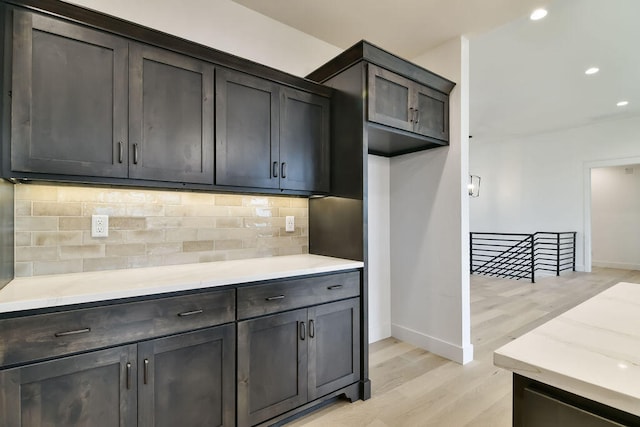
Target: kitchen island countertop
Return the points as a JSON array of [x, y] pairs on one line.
[[38, 292], [592, 350]]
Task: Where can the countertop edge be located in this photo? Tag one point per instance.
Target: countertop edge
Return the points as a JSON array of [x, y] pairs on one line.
[[199, 281], [591, 391]]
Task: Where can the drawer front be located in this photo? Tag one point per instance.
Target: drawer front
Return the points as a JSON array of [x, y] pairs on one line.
[[259, 300], [30, 338]]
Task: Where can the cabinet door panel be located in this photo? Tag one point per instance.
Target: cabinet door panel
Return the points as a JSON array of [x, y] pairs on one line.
[[188, 380], [272, 366], [89, 390], [247, 131], [389, 99], [171, 117], [304, 141], [334, 351], [69, 99], [432, 113]]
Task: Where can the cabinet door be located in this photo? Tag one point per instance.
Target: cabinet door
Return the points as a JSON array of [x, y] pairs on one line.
[[69, 99], [432, 112], [247, 131], [188, 380], [304, 141], [389, 99], [96, 389], [334, 346], [272, 366], [171, 116]]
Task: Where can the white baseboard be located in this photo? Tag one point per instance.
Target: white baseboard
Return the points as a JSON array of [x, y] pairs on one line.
[[618, 265], [442, 348]]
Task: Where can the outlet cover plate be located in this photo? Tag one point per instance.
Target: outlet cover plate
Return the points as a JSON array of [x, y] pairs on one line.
[[99, 225], [290, 224]]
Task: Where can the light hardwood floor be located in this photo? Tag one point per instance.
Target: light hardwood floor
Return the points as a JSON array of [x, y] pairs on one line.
[[414, 388]]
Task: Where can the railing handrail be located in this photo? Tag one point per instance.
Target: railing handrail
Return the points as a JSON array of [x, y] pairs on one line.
[[500, 254]]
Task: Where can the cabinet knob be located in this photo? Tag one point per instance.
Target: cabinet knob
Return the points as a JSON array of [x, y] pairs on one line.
[[120, 151], [146, 370], [303, 329], [74, 332], [190, 313], [312, 329], [135, 154], [128, 375]]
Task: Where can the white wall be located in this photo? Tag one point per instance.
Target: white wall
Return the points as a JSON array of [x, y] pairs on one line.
[[379, 211], [227, 26], [429, 227], [615, 217], [537, 183]]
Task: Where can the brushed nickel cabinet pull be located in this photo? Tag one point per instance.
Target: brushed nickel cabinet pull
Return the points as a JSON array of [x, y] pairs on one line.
[[190, 313], [146, 370], [417, 119], [312, 329], [120, 151], [135, 154], [334, 287], [128, 375], [275, 169], [411, 115], [274, 298], [303, 329], [283, 172], [74, 332]]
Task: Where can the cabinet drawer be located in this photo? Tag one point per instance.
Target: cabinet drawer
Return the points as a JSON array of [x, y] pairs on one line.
[[270, 298], [30, 338]]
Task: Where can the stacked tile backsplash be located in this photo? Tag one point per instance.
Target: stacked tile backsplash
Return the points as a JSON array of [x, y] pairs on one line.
[[148, 228]]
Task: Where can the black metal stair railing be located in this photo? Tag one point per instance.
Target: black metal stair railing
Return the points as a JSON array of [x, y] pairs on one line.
[[519, 256]]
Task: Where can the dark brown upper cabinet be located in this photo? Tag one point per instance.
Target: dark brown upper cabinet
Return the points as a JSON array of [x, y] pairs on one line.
[[92, 98], [247, 130], [171, 116], [89, 103], [69, 99], [404, 104], [269, 135], [304, 141]]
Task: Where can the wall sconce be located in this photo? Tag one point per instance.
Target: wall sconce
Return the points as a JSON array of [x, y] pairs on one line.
[[474, 186]]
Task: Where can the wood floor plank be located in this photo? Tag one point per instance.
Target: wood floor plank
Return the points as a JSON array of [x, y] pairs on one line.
[[415, 388]]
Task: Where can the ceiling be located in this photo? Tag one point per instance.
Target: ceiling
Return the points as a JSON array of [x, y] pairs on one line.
[[526, 77]]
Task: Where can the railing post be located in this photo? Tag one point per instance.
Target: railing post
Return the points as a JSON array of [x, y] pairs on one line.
[[557, 254], [470, 253], [574, 251], [533, 264]]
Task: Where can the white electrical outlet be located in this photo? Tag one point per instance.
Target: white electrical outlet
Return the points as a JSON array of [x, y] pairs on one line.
[[290, 224], [99, 225]]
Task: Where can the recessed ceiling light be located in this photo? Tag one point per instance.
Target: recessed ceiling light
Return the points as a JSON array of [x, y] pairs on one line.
[[622, 103], [592, 70], [538, 14]]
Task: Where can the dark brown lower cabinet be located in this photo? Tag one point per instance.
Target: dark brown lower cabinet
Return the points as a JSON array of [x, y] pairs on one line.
[[188, 380], [95, 389], [286, 360], [536, 404], [183, 380]]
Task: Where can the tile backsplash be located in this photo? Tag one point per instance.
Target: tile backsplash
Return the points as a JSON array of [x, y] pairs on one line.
[[148, 228]]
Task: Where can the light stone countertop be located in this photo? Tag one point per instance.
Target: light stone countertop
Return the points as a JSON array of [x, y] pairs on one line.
[[63, 289], [592, 350]]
